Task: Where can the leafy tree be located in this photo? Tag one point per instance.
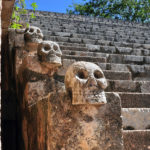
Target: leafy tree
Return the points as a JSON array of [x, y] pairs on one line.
[[20, 9], [131, 10]]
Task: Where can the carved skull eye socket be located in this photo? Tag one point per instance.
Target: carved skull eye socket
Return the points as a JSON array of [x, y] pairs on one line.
[[82, 74], [55, 47], [98, 74], [47, 47], [31, 30], [38, 31]]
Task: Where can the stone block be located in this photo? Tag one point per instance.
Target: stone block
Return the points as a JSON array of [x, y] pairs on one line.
[[115, 59], [63, 34], [92, 47], [118, 67], [146, 52], [123, 86], [107, 49], [146, 46], [123, 50], [134, 59], [136, 140], [88, 41], [136, 52], [145, 86], [147, 60], [135, 100], [75, 40], [62, 39], [137, 118], [117, 75]]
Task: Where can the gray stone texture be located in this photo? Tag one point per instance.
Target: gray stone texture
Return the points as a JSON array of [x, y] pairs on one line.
[[121, 49]]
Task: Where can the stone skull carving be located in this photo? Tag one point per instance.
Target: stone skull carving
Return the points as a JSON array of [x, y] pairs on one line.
[[49, 53], [33, 34], [85, 82]]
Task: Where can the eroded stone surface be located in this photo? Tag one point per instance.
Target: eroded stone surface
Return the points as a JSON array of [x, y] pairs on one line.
[[136, 118], [33, 34], [78, 127], [49, 53], [85, 82], [35, 83]]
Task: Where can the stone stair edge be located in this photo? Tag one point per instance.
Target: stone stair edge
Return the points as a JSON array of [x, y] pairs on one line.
[[109, 43], [111, 58], [91, 41], [55, 14], [108, 51]]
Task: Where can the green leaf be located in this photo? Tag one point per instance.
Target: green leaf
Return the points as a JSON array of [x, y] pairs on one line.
[[27, 25], [32, 16], [16, 25], [34, 6], [16, 8]]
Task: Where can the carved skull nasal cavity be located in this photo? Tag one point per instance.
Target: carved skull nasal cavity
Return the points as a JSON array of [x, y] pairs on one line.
[[85, 82], [49, 52]]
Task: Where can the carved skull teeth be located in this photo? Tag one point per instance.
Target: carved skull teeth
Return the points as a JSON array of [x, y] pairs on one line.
[[85, 81], [49, 52]]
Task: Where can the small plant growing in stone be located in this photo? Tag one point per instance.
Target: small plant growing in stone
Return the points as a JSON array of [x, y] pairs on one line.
[[18, 11]]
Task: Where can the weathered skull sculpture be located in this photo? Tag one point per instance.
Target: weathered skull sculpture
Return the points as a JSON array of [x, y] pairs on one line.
[[49, 53], [33, 34], [86, 82]]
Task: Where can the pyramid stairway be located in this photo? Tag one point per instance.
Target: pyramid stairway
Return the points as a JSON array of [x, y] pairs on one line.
[[122, 50]]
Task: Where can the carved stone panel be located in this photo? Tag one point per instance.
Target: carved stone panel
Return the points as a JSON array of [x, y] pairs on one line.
[[52, 121]]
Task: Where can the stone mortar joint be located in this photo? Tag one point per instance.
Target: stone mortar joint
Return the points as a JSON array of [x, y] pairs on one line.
[[85, 82]]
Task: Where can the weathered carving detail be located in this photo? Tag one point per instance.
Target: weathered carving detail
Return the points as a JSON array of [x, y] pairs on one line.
[[33, 34], [34, 80], [86, 82], [49, 53], [50, 118]]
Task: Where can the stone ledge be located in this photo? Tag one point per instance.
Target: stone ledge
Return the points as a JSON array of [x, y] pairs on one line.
[[136, 140]]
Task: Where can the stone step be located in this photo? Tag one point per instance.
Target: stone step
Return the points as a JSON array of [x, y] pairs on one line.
[[128, 86], [70, 24], [87, 25], [93, 50], [82, 33], [85, 58], [136, 118], [77, 19], [145, 47], [139, 72], [135, 100], [92, 39], [96, 42], [136, 140], [98, 34], [112, 58]]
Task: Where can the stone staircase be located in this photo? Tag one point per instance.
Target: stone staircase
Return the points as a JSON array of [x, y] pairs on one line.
[[122, 50]]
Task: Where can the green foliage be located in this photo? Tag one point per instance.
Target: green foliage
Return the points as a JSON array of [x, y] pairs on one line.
[[131, 10], [20, 9]]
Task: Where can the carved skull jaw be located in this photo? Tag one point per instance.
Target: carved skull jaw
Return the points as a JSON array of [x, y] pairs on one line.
[[33, 34], [49, 54], [92, 97], [86, 83]]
